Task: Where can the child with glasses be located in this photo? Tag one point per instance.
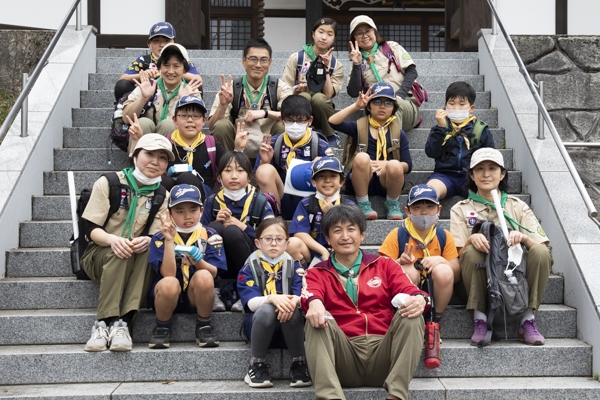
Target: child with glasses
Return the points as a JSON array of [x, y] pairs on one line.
[[276, 153], [376, 154], [269, 286]]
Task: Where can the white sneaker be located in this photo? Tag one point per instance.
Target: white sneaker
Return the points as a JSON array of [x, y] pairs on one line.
[[218, 304], [99, 339], [119, 337], [237, 306]]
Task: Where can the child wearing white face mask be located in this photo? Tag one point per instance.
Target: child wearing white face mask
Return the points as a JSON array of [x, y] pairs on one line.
[[418, 237], [454, 139], [276, 154]]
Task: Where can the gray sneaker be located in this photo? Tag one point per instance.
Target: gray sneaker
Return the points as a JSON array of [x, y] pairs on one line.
[[119, 337], [237, 306], [99, 339], [218, 304]]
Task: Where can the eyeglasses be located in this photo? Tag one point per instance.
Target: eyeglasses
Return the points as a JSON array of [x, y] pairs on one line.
[[364, 33], [301, 121], [270, 240], [256, 60], [195, 117], [386, 103]]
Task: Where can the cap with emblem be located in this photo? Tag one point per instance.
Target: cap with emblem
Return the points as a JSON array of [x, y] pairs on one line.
[[327, 164], [316, 75], [361, 19], [191, 99], [422, 192], [486, 154], [162, 29], [383, 89], [184, 193], [155, 141]]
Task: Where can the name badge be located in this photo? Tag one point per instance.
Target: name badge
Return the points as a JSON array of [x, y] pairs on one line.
[[305, 67], [307, 151], [148, 204]]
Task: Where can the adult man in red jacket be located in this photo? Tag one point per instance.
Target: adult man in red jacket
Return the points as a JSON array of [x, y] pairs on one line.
[[353, 338]]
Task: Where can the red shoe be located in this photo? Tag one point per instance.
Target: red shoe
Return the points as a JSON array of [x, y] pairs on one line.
[[432, 345]]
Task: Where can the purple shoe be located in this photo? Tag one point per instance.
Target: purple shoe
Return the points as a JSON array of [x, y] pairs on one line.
[[479, 332], [529, 333]]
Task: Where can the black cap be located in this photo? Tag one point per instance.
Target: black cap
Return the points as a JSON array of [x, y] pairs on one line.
[[316, 75]]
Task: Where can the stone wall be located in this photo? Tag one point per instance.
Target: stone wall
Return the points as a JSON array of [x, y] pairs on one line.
[[570, 69], [20, 51]]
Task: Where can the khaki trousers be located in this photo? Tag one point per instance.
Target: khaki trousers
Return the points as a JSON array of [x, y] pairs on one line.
[[124, 284], [322, 109], [164, 127], [335, 361], [539, 266], [407, 114]]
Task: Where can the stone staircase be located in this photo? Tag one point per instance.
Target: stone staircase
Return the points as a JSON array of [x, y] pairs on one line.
[[46, 314]]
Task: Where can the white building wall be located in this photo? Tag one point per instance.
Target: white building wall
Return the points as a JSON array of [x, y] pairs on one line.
[[528, 17], [38, 13], [582, 17], [285, 34]]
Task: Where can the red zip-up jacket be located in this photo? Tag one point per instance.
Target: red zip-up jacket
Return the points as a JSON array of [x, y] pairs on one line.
[[379, 280]]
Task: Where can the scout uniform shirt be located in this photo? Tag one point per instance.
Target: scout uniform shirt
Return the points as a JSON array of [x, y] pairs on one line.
[[393, 77], [289, 72], [97, 209], [390, 248], [157, 101], [467, 213]]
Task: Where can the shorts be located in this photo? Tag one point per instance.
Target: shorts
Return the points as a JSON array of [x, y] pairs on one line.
[[183, 304], [456, 185], [375, 187]]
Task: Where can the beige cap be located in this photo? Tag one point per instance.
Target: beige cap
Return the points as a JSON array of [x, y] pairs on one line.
[[155, 141], [361, 19], [487, 154], [180, 49]]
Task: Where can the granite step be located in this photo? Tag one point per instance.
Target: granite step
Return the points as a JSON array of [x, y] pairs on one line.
[[106, 99], [531, 388], [64, 326], [68, 292], [433, 83], [233, 66], [185, 361]]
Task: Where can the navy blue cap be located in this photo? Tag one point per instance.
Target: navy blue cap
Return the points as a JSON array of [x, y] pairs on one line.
[[327, 164], [162, 29], [191, 99], [422, 192], [383, 89], [184, 193]]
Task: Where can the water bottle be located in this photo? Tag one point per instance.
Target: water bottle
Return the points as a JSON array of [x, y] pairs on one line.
[[511, 278]]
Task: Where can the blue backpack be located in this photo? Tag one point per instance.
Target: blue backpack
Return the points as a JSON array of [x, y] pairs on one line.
[[403, 237]]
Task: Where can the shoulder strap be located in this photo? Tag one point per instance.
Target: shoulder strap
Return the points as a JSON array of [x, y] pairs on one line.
[[287, 275], [332, 65], [385, 48], [159, 197], [395, 136], [314, 145], [272, 92], [277, 151], [441, 235], [313, 208], [258, 272], [147, 61], [212, 153], [477, 131], [258, 204], [299, 66], [215, 206], [238, 92], [114, 193], [362, 126], [402, 238]]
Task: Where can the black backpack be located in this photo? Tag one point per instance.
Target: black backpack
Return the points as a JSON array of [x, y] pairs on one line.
[[119, 130], [117, 191], [511, 298], [259, 200], [238, 92]]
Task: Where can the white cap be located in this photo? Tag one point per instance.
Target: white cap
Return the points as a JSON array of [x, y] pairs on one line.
[[180, 49], [361, 19], [486, 154], [155, 141]]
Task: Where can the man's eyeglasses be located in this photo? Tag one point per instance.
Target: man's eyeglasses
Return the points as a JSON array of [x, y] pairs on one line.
[[256, 60], [386, 103], [364, 33], [300, 121], [270, 240], [195, 117]]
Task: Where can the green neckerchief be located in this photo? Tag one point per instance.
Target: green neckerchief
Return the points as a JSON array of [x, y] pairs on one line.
[[249, 92], [137, 193], [503, 196], [372, 62], [349, 273], [163, 90], [308, 49]]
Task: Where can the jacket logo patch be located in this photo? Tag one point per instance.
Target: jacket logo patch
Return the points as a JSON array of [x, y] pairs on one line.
[[250, 283], [158, 244], [374, 282]]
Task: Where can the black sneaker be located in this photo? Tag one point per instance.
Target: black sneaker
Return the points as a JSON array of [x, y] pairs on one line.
[[299, 374], [160, 338], [258, 376], [205, 337]]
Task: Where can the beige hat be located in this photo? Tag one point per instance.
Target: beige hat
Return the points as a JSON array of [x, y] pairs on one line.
[[180, 49], [361, 19], [155, 141], [486, 154]]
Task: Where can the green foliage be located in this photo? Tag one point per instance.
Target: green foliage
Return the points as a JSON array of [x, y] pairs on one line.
[[7, 99]]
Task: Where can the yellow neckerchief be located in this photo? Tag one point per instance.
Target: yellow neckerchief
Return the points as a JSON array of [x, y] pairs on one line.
[[272, 270], [192, 241], [304, 140], [456, 130], [381, 140], [415, 235], [335, 202], [177, 139], [220, 199]]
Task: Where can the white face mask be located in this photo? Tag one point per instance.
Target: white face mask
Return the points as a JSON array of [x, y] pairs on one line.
[[295, 131], [141, 178], [235, 195], [458, 116], [333, 198], [270, 260], [186, 230], [423, 222]]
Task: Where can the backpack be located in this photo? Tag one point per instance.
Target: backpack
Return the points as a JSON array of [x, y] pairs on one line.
[[351, 147], [238, 91], [314, 148], [300, 64], [511, 298], [119, 130], [211, 149], [475, 136], [404, 236], [117, 191], [258, 272], [259, 200]]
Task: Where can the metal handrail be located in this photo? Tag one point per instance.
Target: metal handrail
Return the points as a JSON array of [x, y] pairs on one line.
[[563, 151], [39, 67]]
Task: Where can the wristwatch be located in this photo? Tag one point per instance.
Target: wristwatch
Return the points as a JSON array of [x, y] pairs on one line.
[[427, 299], [266, 112]]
